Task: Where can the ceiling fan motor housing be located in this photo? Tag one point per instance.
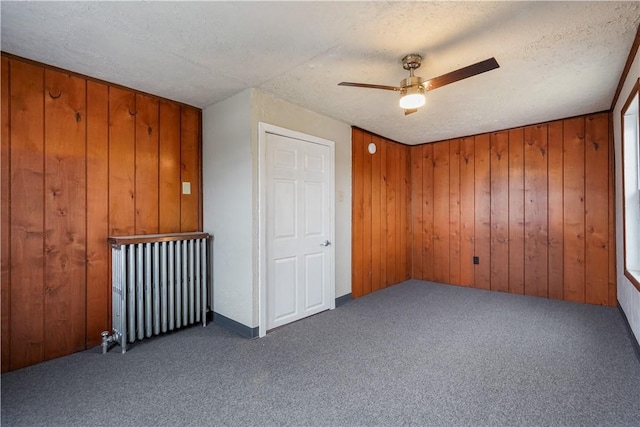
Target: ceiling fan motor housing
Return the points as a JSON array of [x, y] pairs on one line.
[[411, 81]]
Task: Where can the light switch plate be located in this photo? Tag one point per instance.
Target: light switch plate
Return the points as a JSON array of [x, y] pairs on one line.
[[186, 188]]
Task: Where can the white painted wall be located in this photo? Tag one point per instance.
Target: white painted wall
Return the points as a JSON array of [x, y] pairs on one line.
[[628, 295], [230, 193], [227, 172], [275, 111]]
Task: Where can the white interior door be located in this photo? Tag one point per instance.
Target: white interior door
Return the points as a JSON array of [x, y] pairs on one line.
[[298, 223]]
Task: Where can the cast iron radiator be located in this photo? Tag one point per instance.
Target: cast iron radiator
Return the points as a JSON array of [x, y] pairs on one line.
[[159, 284]]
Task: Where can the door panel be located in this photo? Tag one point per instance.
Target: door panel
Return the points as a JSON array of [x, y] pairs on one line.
[[314, 269], [313, 208], [284, 209], [284, 295]]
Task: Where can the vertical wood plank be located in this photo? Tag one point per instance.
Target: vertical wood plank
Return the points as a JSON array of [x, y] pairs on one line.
[[190, 168], [376, 235], [556, 219], [516, 211], [397, 250], [596, 217], [5, 224], [98, 268], [441, 196], [427, 212], [467, 209], [65, 214], [385, 264], [395, 226], [408, 243], [357, 269], [27, 214], [169, 164], [384, 245], [536, 210], [454, 212], [613, 291], [499, 170], [417, 230], [574, 243], [403, 208], [121, 153], [392, 243], [366, 193], [147, 169], [391, 237], [482, 274]]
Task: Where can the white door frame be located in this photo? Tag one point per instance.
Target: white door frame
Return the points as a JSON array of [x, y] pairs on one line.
[[263, 130]]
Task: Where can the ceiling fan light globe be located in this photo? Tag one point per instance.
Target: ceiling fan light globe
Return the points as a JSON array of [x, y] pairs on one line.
[[412, 100]]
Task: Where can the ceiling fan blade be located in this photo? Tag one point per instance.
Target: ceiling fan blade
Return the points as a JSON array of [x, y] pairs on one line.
[[366, 85], [462, 73], [408, 111]]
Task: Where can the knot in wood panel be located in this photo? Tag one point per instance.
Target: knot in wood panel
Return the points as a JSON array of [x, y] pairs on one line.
[[63, 263]]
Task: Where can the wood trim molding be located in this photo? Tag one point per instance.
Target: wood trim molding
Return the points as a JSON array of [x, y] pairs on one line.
[[634, 91], [630, 277], [627, 68], [154, 238]]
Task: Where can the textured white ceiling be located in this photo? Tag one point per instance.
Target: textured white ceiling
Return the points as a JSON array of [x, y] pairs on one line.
[[557, 59]]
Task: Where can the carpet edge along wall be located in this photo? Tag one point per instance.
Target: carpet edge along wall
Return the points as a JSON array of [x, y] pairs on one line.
[[534, 204], [82, 160]]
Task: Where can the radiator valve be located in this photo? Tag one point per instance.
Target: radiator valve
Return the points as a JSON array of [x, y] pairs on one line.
[[106, 340]]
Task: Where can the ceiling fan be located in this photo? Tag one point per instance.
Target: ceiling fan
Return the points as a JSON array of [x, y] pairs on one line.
[[412, 88]]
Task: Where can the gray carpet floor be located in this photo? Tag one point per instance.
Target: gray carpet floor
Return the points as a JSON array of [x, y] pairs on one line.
[[417, 353]]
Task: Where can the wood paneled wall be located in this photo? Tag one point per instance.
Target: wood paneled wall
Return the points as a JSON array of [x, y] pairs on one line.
[[82, 160], [381, 248], [534, 204]]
